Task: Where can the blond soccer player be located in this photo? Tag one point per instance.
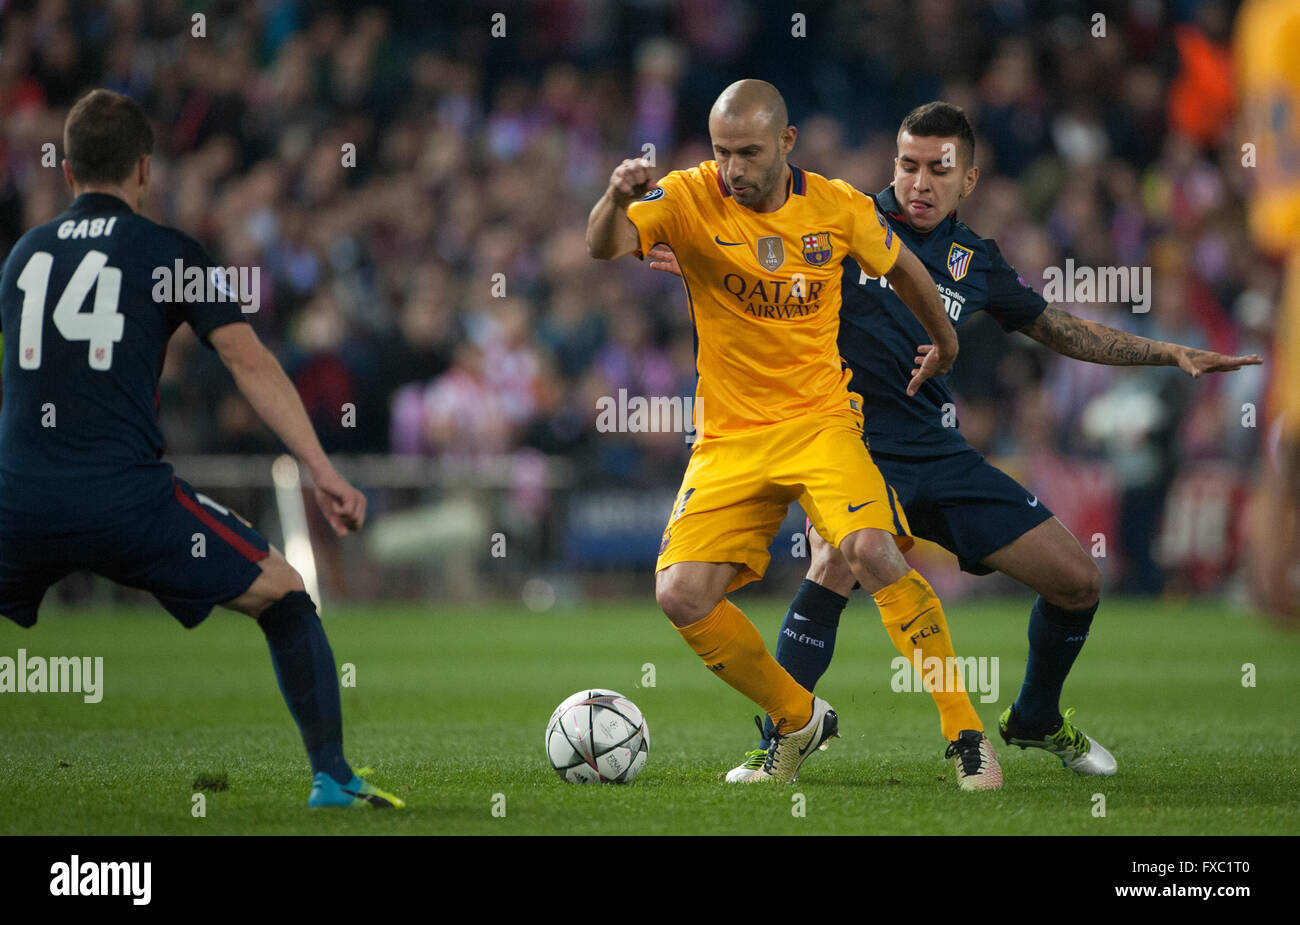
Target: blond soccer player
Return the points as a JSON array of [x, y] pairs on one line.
[[759, 244]]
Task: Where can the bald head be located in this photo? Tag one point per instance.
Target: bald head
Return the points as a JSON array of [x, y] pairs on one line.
[[753, 101], [751, 135]]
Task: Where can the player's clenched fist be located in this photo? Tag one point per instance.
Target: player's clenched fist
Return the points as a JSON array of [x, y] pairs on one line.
[[610, 233], [631, 180]]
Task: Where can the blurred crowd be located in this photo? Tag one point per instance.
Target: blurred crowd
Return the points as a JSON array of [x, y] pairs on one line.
[[415, 188]]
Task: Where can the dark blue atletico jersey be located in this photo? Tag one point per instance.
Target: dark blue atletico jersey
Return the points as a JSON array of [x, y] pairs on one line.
[[879, 335], [84, 342]]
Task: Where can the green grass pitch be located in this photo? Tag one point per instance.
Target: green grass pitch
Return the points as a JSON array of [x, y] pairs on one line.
[[449, 707]]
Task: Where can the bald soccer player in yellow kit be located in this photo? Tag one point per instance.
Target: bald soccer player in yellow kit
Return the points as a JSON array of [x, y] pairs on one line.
[[1265, 45], [759, 244]]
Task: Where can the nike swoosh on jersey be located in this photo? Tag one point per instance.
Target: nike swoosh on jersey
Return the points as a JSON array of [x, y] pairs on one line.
[[859, 507], [727, 243], [799, 616], [1033, 502]]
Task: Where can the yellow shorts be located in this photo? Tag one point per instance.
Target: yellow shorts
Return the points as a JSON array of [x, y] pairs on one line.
[[737, 489]]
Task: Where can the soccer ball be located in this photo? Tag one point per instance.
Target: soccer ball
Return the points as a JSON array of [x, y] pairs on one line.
[[597, 735]]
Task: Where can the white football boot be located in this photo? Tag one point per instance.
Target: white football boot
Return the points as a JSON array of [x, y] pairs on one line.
[[976, 762], [1078, 751], [788, 752]]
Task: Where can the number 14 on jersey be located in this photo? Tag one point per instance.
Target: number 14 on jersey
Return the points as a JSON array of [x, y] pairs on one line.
[[102, 326]]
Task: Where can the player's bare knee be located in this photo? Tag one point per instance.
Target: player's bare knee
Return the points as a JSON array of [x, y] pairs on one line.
[[1080, 587], [873, 557], [288, 580], [278, 578], [829, 568], [1087, 589], [292, 581], [684, 602]]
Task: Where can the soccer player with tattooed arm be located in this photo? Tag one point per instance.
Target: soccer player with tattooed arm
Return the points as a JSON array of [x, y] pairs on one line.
[[759, 243]]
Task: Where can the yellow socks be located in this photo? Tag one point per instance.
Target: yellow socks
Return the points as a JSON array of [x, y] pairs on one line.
[[914, 619], [734, 651]]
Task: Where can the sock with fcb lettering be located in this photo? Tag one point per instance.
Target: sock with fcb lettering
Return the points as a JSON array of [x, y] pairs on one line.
[[304, 666], [914, 619], [733, 649], [1055, 637], [807, 639]]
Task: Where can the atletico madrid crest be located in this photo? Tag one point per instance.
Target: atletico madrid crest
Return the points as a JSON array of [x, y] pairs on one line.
[[959, 261], [817, 247]]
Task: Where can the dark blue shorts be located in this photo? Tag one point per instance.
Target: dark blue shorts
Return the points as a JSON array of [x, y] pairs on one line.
[[963, 503], [188, 551]]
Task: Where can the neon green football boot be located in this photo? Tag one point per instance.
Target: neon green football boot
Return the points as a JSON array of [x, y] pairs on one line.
[[1078, 751], [358, 792]]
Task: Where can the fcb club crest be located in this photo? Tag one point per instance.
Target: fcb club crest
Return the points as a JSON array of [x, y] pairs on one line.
[[770, 252], [959, 261], [817, 247]]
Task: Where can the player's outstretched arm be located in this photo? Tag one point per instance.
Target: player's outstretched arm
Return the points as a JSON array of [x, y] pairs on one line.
[[610, 233], [262, 381], [912, 283], [1080, 339]]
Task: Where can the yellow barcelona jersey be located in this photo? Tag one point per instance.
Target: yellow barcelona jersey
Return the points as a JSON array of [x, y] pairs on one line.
[[1268, 67], [763, 290], [1267, 50]]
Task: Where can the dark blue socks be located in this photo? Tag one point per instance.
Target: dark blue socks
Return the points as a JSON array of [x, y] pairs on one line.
[[807, 639], [1055, 637], [304, 666]]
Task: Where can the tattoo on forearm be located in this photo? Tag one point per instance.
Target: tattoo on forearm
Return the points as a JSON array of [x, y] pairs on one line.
[[1074, 337]]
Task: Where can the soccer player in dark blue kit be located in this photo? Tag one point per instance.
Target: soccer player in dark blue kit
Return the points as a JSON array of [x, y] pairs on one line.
[[82, 483], [949, 492]]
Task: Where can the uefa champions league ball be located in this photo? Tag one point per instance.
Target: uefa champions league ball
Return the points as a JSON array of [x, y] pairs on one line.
[[597, 736]]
